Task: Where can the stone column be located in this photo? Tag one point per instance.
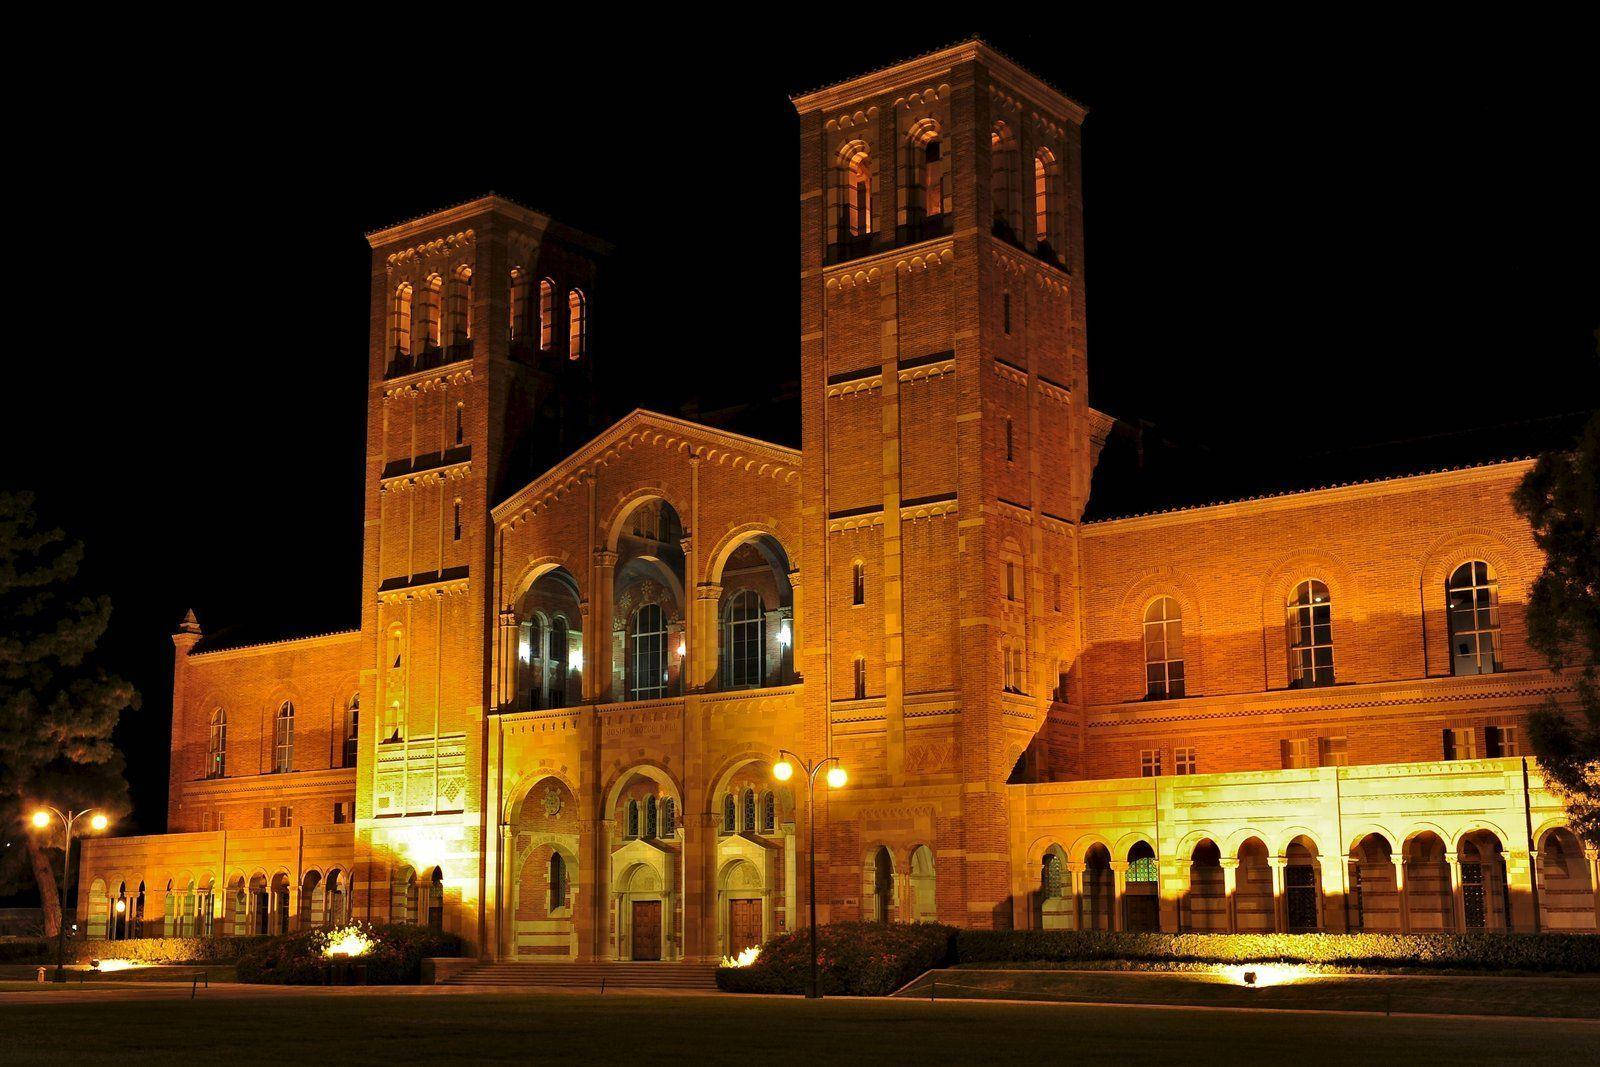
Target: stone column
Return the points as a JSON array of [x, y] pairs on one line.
[[1402, 894], [1521, 868], [700, 885], [1172, 910], [507, 664], [796, 626], [1230, 886], [1074, 873], [690, 669], [1280, 921], [1458, 903], [506, 896], [703, 645], [1593, 856], [1119, 887], [597, 639]]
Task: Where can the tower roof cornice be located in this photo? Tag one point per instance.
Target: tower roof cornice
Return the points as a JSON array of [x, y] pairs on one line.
[[488, 204], [931, 64]]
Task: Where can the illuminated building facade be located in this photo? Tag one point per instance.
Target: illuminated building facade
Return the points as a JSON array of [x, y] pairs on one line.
[[555, 728]]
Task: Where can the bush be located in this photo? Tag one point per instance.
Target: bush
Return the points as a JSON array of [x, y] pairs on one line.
[[162, 949], [853, 958], [396, 958], [26, 950], [1576, 953]]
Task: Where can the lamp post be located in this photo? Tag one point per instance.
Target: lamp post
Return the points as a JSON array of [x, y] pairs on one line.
[[783, 770], [68, 818]]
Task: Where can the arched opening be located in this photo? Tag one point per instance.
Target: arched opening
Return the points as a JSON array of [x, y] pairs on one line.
[[99, 909], [1428, 900], [547, 314], [642, 869], [1141, 896], [852, 200], [1044, 203], [1472, 602], [119, 913], [756, 616], [1099, 890], [577, 324], [337, 911], [544, 857], [283, 739], [1004, 186], [1254, 905], [1485, 895], [400, 323], [519, 307], [1373, 900], [1206, 903], [459, 313], [403, 895], [648, 649], [1054, 904], [313, 904], [279, 904], [879, 905], [425, 318], [171, 921], [926, 197], [1302, 886], [743, 906], [1566, 886], [436, 899], [205, 908], [549, 659], [924, 886]]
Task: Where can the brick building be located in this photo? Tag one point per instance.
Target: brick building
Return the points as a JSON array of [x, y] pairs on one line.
[[555, 729]]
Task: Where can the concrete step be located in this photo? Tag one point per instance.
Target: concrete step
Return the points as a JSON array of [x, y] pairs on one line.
[[620, 975]]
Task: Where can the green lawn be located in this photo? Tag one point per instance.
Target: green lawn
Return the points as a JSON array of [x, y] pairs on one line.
[[324, 1028], [1488, 995]]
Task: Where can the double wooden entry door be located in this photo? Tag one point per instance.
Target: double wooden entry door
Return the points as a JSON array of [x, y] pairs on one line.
[[647, 929], [744, 924]]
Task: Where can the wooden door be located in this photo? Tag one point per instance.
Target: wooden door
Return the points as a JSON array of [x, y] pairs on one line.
[[647, 929], [744, 925]]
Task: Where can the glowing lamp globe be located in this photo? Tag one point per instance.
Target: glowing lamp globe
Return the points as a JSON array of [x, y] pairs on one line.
[[99, 822], [41, 819], [122, 906], [783, 770], [837, 777]]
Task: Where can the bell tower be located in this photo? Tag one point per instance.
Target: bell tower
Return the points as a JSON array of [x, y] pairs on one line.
[[480, 370], [946, 447]]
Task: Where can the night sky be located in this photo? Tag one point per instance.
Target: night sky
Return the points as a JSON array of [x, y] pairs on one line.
[[1336, 237]]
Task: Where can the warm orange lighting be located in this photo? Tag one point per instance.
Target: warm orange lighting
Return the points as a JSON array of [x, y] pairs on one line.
[[99, 821], [122, 906], [41, 819], [837, 777], [783, 770]]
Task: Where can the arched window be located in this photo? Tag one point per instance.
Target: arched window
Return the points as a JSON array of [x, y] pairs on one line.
[[650, 817], [860, 672], [217, 748], [558, 881], [547, 314], [1044, 173], [283, 739], [1051, 880], [1472, 598], [1310, 636], [461, 423], [633, 818], [352, 730], [729, 814], [744, 640], [858, 583], [649, 653], [400, 320], [519, 305], [556, 672], [769, 813], [1003, 181], [577, 324], [459, 306], [853, 195], [749, 821], [928, 179], [1163, 649], [669, 817], [425, 320]]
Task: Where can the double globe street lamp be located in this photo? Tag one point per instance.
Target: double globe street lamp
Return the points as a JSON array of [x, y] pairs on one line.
[[783, 770], [68, 819]]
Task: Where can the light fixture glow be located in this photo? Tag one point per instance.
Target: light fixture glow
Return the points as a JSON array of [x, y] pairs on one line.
[[575, 659], [785, 634], [349, 941], [1261, 975], [783, 770], [122, 906], [683, 648], [99, 821], [837, 777], [41, 819]]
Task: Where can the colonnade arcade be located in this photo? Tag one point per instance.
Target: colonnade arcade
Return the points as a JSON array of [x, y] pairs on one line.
[[652, 632], [1426, 880]]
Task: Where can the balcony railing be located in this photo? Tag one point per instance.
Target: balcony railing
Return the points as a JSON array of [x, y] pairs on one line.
[[434, 356]]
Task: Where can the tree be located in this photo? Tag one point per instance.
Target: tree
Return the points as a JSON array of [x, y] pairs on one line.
[[1560, 498], [58, 706]]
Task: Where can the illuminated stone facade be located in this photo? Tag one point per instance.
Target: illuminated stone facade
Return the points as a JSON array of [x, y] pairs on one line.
[[555, 728]]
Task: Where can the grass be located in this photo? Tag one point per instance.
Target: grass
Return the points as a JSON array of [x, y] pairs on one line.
[[1553, 997], [318, 1027]]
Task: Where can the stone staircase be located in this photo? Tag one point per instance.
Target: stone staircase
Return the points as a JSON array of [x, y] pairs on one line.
[[593, 976]]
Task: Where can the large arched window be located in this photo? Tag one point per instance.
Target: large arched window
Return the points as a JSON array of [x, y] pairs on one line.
[[853, 192], [556, 673], [558, 881], [1310, 635], [650, 817], [1051, 881], [927, 173], [1472, 598], [744, 641], [547, 314], [459, 306], [1163, 649], [217, 747], [283, 739], [729, 814], [400, 320], [1044, 197], [577, 324], [425, 320], [769, 813], [649, 653], [669, 817], [519, 305], [1003, 181], [633, 818], [352, 730], [749, 820]]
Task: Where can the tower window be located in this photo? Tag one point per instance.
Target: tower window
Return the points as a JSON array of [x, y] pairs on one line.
[[352, 730], [1011, 441], [283, 739], [577, 324], [1003, 180], [861, 677], [853, 195], [400, 320], [858, 583], [458, 306], [927, 188], [1013, 671], [1005, 304], [217, 748], [1011, 580], [519, 304], [547, 314], [461, 423], [425, 320], [1310, 636], [1043, 207], [457, 522]]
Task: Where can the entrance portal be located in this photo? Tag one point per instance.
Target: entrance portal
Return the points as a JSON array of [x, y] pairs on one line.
[[744, 925], [647, 929]]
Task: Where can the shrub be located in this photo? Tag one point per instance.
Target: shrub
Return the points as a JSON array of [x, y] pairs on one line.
[[26, 950], [1576, 953], [853, 958], [162, 949], [396, 959]]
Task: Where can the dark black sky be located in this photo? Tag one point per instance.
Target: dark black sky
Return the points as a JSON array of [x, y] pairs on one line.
[[1299, 238]]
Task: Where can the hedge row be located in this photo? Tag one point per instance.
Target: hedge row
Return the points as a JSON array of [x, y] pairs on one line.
[[1472, 951], [853, 958], [396, 958], [874, 959], [26, 949], [162, 949]]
